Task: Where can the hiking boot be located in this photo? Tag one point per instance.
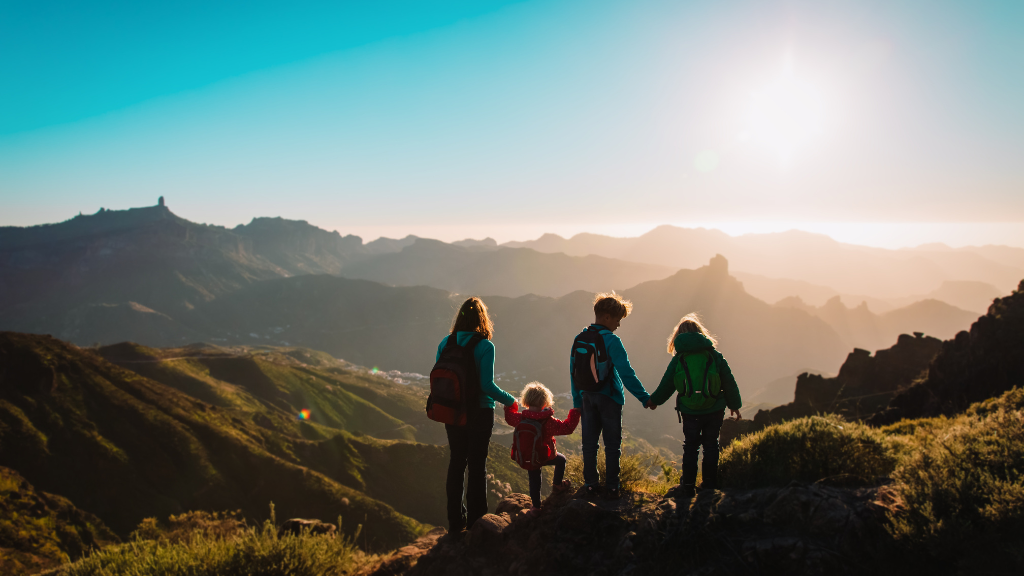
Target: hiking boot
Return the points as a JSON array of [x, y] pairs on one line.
[[708, 486], [563, 486], [688, 492], [591, 492], [612, 494]]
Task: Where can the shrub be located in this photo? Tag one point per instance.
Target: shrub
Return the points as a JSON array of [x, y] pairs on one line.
[[180, 528], [966, 484], [250, 551], [638, 471], [813, 449]]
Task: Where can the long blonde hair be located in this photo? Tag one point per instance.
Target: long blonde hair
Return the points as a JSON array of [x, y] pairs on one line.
[[689, 324]]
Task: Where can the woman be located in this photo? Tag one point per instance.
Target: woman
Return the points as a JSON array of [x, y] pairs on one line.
[[467, 445], [706, 386]]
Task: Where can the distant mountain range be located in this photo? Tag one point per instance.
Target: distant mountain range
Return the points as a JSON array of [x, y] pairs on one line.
[[803, 256]]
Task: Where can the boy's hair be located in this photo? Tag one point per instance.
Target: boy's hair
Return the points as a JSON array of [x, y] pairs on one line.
[[472, 317], [612, 304], [689, 323], [537, 395]]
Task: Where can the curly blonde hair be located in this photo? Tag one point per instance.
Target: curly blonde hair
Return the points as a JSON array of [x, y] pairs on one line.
[[689, 323], [537, 395]]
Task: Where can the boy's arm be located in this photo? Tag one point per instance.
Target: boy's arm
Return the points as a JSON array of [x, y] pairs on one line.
[[512, 415], [620, 360], [732, 391], [667, 385], [487, 384], [567, 426], [577, 397]]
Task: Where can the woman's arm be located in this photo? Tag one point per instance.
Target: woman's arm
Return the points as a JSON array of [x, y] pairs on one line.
[[487, 385]]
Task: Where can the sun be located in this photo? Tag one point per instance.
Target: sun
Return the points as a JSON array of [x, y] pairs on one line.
[[784, 117]]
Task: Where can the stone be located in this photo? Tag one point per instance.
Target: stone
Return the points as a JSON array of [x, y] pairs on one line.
[[297, 526], [514, 505], [487, 531], [830, 516]]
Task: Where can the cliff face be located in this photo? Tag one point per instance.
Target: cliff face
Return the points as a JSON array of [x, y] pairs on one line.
[[971, 367], [864, 386]]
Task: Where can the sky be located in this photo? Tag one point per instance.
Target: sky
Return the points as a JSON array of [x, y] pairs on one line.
[[888, 123]]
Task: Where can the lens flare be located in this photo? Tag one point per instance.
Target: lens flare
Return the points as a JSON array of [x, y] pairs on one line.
[[374, 370], [304, 414]]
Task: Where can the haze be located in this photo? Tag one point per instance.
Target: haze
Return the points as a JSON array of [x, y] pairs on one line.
[[509, 119]]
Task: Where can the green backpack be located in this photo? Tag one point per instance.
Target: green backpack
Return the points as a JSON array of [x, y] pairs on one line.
[[700, 393]]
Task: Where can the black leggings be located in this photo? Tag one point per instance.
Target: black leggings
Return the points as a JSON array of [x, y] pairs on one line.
[[467, 447], [559, 463], [701, 432]]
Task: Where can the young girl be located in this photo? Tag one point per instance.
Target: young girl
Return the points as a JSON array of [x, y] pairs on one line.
[[538, 400], [706, 386]]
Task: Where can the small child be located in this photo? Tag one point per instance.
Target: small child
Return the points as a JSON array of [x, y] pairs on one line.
[[538, 400]]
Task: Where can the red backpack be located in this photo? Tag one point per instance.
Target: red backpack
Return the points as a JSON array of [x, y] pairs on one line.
[[531, 452], [454, 382]]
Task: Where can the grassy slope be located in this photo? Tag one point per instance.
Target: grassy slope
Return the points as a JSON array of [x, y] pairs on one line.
[[40, 530], [957, 483], [126, 447]]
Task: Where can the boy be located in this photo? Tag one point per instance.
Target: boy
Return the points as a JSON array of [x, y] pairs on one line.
[[602, 407]]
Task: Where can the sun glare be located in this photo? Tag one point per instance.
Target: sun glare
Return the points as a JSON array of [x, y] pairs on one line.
[[784, 116]]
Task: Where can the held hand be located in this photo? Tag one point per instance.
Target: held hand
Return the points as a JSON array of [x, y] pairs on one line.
[[736, 413], [650, 404]]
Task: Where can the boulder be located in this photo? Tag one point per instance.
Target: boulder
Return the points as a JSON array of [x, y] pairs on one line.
[[297, 526], [487, 531]]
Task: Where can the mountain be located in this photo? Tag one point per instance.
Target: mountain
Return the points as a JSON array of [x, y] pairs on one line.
[[124, 447], [502, 272], [861, 328], [971, 367], [806, 257]]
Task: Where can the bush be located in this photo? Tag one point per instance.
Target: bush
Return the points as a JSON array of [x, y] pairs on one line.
[[813, 449], [182, 527], [250, 551], [638, 471], [966, 483]]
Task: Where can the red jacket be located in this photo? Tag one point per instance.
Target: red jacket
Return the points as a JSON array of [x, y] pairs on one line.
[[552, 426]]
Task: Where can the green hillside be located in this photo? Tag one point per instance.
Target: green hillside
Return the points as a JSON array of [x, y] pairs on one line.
[[40, 530], [125, 447]]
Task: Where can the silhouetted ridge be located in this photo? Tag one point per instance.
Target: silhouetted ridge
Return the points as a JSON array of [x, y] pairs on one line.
[[971, 367]]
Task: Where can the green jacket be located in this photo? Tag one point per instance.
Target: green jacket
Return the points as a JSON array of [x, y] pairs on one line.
[[693, 342]]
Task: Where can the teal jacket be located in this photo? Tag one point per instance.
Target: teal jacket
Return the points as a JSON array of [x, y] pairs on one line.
[[484, 356], [623, 374], [692, 342]]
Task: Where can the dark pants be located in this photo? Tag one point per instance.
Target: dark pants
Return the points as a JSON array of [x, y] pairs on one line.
[[467, 446], [701, 431], [559, 463], [602, 416]]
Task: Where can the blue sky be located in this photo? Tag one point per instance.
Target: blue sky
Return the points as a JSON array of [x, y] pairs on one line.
[[456, 119]]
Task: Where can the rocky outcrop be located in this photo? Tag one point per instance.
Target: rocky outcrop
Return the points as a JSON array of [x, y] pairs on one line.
[[864, 386], [297, 526], [797, 529], [973, 366]]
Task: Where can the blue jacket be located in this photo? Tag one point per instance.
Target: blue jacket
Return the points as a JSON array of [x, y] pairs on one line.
[[484, 356], [623, 374]]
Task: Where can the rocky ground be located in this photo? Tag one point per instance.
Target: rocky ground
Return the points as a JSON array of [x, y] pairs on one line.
[[797, 529]]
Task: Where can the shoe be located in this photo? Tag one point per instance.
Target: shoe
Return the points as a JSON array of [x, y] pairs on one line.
[[591, 492], [709, 486], [534, 511], [612, 494], [689, 491], [563, 486]]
